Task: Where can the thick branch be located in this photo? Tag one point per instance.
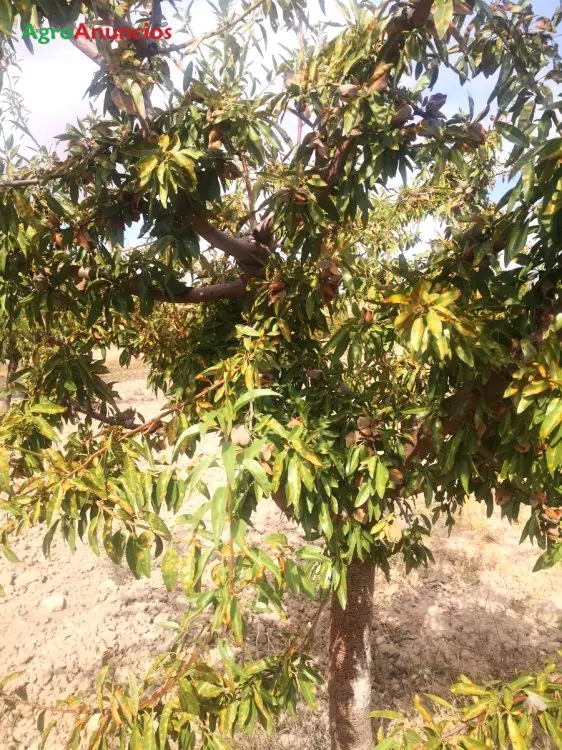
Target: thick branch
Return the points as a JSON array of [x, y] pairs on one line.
[[212, 293], [89, 48], [244, 250], [177, 292]]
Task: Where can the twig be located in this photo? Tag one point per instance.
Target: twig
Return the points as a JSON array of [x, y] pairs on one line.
[[217, 32], [120, 420], [249, 192], [313, 625]]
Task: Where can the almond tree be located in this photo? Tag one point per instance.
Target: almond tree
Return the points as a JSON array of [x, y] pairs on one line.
[[284, 305]]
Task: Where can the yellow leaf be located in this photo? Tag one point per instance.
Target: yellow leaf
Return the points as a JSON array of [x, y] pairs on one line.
[[416, 334]]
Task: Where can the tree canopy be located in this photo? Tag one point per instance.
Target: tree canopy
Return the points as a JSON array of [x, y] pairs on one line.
[[283, 300]]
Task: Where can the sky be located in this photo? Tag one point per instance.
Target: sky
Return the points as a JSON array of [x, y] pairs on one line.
[[54, 79]]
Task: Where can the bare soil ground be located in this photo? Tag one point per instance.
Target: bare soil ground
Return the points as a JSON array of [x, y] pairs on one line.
[[479, 610]]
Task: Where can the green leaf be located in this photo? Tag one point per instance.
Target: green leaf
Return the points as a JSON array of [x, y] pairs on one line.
[[169, 569], [434, 323], [326, 523], [99, 685], [218, 512], [363, 494], [46, 407], [248, 331], [442, 16], [138, 98], [389, 743], [53, 507], [5, 483], [251, 395], [513, 134], [158, 526], [549, 558], [341, 591], [9, 554], [387, 714], [194, 429], [134, 692], [416, 334], [312, 553], [464, 353], [163, 725], [45, 428], [236, 621], [293, 487], [553, 728], [258, 472], [553, 417], [229, 461], [515, 735], [439, 701], [381, 478], [516, 240]]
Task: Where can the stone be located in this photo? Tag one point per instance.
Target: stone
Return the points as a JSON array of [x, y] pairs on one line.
[[54, 603]]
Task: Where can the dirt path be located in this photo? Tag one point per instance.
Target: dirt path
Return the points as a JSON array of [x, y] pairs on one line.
[[479, 610]]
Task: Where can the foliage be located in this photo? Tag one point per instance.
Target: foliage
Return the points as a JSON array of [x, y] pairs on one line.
[[495, 715]]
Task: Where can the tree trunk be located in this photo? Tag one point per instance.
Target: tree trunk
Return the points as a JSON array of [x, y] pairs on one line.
[[349, 687]]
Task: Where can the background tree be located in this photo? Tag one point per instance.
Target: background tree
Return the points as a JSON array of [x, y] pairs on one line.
[[342, 374]]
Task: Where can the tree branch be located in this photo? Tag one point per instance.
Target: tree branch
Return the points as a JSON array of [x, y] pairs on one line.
[[23, 182], [390, 54], [89, 48], [178, 293], [122, 419], [251, 256], [212, 293], [415, 19]]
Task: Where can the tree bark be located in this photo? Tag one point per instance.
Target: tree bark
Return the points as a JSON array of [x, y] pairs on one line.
[[349, 687]]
